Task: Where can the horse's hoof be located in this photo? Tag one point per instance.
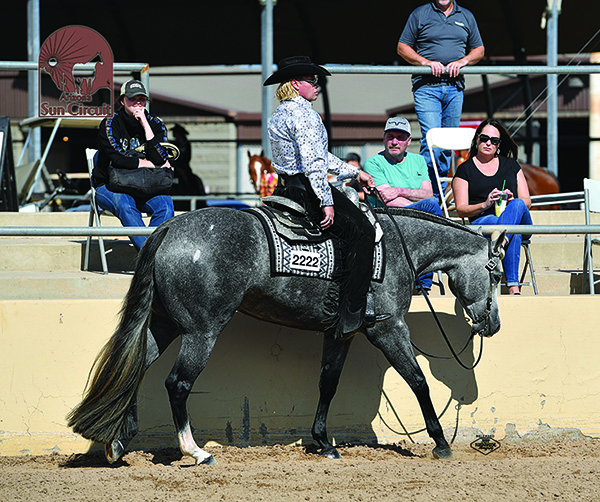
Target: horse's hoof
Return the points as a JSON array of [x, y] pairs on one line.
[[210, 460], [443, 453], [330, 453], [114, 451]]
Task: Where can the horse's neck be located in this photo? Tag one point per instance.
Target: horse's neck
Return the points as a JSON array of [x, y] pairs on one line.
[[435, 246]]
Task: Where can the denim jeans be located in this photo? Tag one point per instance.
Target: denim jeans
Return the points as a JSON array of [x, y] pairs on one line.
[[437, 106], [516, 213], [429, 206], [129, 210]]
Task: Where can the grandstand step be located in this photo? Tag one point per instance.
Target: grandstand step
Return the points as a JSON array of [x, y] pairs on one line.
[[553, 283], [50, 254], [557, 252], [22, 285], [52, 219], [566, 217]]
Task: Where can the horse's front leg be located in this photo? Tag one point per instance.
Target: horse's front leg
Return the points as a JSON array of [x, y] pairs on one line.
[[394, 342], [332, 362]]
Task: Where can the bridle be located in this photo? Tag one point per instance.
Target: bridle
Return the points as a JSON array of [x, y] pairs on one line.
[[490, 267]]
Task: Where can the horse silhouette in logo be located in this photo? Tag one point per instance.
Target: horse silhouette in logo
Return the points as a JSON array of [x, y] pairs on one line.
[[70, 46]]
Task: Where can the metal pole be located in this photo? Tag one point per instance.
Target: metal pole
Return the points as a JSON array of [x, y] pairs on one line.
[[594, 127], [552, 85], [145, 79], [33, 50], [266, 19]]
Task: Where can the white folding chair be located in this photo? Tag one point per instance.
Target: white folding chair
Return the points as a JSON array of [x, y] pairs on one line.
[[447, 138], [91, 155], [591, 191]]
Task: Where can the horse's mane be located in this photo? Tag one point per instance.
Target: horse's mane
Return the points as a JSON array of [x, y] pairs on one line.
[[422, 215]]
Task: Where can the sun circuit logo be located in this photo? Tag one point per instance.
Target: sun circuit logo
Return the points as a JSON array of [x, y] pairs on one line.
[[77, 62], [485, 444]]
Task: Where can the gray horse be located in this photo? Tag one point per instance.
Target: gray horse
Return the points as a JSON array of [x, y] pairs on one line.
[[196, 270]]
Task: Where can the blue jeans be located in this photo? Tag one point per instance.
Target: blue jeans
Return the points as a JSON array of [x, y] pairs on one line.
[[429, 206], [437, 106], [516, 213], [129, 210]]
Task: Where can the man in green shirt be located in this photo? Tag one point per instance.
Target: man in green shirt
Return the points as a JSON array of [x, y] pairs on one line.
[[402, 178]]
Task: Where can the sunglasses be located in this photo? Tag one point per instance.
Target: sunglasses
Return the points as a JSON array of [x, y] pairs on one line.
[[484, 138], [312, 81]]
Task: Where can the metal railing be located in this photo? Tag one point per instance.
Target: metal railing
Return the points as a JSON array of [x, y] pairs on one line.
[[553, 199], [472, 70], [127, 231]]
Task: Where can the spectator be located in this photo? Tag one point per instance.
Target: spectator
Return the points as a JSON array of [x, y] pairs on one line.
[[118, 137], [488, 179], [354, 160], [401, 177], [301, 159], [185, 182], [445, 37]]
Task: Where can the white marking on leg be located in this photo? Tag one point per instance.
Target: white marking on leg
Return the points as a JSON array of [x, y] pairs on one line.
[[188, 446]]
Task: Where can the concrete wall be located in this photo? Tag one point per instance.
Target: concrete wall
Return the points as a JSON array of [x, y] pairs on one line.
[[538, 376]]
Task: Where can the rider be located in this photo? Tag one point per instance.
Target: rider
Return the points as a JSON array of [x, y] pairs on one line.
[[301, 159]]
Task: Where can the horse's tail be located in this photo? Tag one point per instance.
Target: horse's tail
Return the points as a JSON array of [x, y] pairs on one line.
[[119, 367]]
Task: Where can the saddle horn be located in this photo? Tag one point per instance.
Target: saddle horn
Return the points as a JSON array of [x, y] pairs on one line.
[[498, 238]]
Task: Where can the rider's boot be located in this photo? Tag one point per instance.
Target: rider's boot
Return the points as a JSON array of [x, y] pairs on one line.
[[371, 318]]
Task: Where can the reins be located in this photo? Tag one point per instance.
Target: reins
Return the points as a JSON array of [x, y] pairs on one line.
[[425, 294]]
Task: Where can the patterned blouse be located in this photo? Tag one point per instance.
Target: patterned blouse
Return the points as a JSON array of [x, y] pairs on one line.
[[299, 144]]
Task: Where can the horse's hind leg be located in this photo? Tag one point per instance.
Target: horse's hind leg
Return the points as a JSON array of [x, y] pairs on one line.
[[332, 362], [397, 349], [192, 359], [160, 336]]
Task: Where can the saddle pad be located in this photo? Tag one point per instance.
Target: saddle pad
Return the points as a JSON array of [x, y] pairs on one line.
[[305, 258], [308, 259]]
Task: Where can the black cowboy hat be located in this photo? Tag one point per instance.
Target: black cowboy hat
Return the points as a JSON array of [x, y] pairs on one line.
[[180, 129], [296, 66]]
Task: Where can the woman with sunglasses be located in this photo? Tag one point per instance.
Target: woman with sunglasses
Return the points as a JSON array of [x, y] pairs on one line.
[[491, 174]]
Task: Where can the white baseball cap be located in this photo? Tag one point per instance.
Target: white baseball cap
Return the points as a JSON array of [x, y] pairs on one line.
[[398, 124]]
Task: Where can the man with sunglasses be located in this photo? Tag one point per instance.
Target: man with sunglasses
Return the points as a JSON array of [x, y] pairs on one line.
[[445, 37], [401, 177], [118, 137], [299, 145]]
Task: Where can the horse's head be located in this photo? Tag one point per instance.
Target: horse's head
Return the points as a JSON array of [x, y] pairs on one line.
[[261, 173], [476, 287]]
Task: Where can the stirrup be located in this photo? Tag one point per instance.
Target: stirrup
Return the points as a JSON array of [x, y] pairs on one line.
[[371, 318]]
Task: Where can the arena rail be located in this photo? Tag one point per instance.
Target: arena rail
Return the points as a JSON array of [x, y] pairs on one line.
[[127, 231]]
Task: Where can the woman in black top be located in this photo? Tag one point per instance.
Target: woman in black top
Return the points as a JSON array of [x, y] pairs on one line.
[[490, 174]]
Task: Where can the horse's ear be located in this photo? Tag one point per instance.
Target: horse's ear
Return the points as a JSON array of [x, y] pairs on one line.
[[262, 153], [249, 155], [498, 249]]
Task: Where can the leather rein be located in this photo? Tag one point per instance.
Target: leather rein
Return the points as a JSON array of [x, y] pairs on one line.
[[490, 266]]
